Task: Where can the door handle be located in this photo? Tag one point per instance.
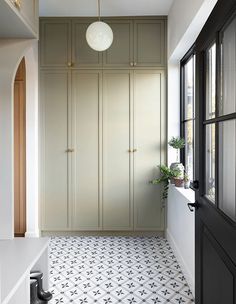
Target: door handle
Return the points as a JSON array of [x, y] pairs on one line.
[[192, 206], [194, 185]]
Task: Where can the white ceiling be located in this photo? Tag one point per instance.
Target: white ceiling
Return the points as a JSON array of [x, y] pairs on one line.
[[108, 7]]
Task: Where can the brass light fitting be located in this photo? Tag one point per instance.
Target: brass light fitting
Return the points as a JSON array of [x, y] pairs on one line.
[[17, 3]]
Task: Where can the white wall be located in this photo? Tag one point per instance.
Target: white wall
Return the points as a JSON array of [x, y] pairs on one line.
[[32, 206], [180, 230], [11, 53], [185, 21]]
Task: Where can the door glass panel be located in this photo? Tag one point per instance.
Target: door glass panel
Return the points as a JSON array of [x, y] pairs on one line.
[[228, 70], [210, 162], [189, 148], [211, 82], [227, 162], [189, 88]]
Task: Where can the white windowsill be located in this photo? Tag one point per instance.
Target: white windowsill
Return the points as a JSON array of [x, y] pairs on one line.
[[187, 193]]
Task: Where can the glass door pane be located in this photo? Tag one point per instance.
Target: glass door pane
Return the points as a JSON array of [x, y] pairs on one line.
[[211, 82], [228, 70], [189, 89], [210, 162], [227, 171], [189, 148]]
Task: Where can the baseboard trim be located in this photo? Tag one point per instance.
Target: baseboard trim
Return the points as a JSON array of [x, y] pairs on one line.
[[189, 278], [103, 233], [32, 234]]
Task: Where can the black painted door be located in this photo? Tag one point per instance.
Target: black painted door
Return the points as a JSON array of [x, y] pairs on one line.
[[216, 157]]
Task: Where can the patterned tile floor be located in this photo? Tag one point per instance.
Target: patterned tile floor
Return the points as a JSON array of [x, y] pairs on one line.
[[107, 270]]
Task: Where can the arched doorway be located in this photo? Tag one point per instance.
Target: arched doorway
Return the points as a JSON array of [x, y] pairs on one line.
[[20, 150]]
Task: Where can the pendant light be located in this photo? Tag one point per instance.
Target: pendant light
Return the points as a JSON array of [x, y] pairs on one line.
[[99, 35]]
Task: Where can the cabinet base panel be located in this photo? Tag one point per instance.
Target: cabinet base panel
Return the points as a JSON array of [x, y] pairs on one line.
[[103, 233]]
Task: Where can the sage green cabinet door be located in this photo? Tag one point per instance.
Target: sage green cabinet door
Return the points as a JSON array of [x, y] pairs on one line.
[[149, 141], [55, 42], [54, 161], [82, 54], [117, 197], [120, 53], [86, 98], [149, 43]]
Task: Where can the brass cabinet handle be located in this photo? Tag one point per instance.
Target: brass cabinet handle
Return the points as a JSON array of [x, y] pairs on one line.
[[130, 151], [131, 64], [135, 63], [135, 150], [69, 64], [17, 3], [70, 150]]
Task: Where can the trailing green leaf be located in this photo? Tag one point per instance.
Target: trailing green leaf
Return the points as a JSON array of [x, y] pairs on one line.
[[166, 174]]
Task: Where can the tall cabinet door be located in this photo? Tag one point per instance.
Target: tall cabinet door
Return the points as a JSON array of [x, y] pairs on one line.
[[54, 158], [117, 200], [86, 97], [149, 147]]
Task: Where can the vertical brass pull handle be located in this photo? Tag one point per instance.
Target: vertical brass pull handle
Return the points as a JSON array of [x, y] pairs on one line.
[[70, 150]]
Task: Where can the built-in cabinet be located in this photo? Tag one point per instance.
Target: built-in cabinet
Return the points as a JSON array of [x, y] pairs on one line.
[[102, 130], [137, 43]]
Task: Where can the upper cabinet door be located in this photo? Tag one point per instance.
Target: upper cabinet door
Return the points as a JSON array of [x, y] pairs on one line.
[[55, 46], [82, 54], [149, 43], [120, 53]]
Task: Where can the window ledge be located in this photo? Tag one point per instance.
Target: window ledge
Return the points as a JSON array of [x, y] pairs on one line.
[[189, 194]]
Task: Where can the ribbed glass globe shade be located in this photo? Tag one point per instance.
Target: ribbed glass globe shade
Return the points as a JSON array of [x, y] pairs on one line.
[[99, 36]]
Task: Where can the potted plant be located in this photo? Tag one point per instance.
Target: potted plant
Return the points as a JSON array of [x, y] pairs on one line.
[[186, 181], [177, 143], [166, 174], [179, 182]]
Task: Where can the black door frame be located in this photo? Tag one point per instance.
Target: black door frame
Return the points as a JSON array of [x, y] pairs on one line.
[[209, 213]]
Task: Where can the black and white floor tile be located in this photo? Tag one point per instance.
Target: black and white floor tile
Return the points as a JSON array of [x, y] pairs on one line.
[[108, 270]]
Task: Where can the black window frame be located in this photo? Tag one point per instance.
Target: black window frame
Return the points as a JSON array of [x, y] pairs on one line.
[[188, 56]]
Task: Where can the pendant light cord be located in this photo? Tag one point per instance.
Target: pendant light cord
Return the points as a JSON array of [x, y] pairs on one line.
[[99, 10]]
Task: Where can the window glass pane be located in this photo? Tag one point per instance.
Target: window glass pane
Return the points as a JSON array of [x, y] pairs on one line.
[[189, 89], [228, 70], [210, 162], [189, 148], [227, 165], [211, 82]]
